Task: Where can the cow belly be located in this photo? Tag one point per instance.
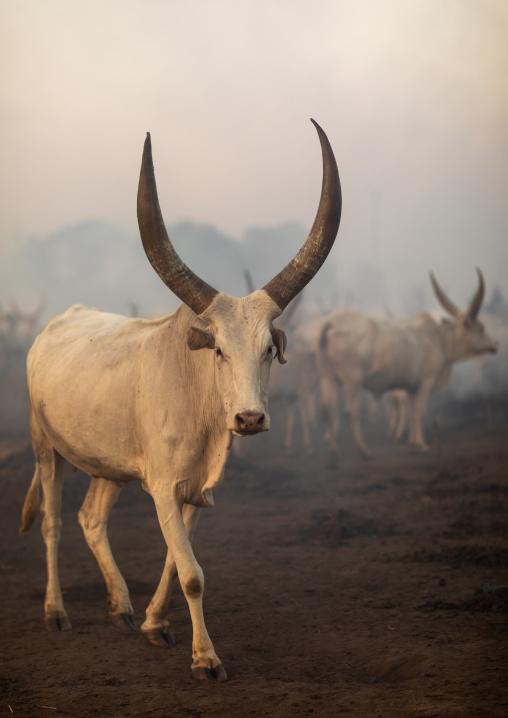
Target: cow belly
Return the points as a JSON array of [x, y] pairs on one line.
[[87, 450], [94, 435], [379, 383]]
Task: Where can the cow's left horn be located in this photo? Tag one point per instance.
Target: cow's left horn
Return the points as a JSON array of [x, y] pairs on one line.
[[443, 299], [298, 273], [476, 303], [187, 286]]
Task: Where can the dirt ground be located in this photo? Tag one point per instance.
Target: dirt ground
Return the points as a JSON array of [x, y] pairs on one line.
[[370, 588]]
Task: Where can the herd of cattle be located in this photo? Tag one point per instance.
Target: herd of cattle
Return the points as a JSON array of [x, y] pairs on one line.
[[407, 358], [371, 358], [160, 400]]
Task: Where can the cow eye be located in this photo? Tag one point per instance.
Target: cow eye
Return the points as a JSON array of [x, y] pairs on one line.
[[269, 351], [218, 352]]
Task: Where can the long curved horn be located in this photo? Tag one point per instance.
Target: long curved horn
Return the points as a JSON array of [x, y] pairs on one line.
[[298, 273], [476, 303], [187, 286], [248, 281], [443, 299]]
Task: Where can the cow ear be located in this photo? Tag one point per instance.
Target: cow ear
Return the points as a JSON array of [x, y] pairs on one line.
[[280, 341], [200, 339]]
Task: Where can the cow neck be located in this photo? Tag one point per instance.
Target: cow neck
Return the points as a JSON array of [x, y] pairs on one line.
[[450, 332]]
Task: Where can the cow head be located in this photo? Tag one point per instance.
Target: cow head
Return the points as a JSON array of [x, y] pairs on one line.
[[471, 339], [240, 332]]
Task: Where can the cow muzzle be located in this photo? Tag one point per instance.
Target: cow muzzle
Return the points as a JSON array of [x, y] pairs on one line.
[[250, 422]]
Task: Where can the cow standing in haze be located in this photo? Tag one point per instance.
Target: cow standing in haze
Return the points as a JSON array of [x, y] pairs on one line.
[[159, 401], [414, 354]]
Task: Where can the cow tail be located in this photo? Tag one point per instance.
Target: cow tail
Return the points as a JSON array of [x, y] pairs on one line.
[[32, 502]]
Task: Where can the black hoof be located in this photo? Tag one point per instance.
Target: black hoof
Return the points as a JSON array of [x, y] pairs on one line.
[[123, 621], [210, 674], [160, 639], [56, 623]]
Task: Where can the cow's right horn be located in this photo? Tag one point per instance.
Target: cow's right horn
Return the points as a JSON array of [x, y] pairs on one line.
[[187, 286], [298, 273], [476, 303]]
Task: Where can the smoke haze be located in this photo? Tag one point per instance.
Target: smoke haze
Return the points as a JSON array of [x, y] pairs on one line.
[[413, 98]]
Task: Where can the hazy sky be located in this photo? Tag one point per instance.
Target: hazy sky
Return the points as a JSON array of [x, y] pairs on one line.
[[413, 95]]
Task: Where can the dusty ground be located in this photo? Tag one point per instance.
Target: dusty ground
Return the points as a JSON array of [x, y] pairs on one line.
[[375, 588]]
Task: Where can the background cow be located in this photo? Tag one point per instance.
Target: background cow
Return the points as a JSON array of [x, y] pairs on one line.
[[414, 354]]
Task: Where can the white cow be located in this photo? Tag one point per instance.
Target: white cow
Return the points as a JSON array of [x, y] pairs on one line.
[[414, 354], [159, 401]]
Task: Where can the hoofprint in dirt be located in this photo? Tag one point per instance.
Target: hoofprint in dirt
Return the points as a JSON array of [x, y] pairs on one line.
[[374, 588]]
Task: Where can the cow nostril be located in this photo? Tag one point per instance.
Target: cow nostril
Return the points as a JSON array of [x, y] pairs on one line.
[[249, 421]]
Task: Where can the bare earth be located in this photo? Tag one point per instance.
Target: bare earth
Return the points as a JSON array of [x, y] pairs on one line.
[[374, 588]]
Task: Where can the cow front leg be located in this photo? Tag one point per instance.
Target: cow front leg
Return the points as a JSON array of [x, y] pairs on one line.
[[418, 405], [206, 664], [398, 414], [156, 626], [93, 518], [402, 402]]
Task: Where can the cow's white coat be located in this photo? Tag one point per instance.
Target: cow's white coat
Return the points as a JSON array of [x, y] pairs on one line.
[[415, 354], [125, 399]]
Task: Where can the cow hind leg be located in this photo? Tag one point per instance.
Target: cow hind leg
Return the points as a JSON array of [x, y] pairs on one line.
[[304, 421], [393, 418], [50, 467], [156, 626], [93, 518], [329, 405], [353, 412]]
